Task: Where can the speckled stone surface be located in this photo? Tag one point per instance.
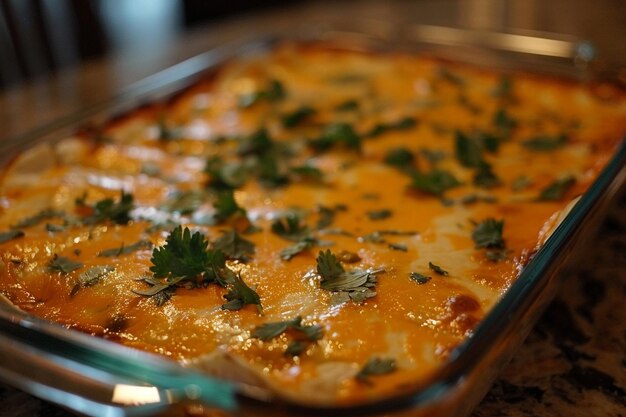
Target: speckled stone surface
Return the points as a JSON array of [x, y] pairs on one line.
[[573, 364]]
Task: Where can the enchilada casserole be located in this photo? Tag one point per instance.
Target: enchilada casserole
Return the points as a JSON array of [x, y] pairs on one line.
[[323, 222]]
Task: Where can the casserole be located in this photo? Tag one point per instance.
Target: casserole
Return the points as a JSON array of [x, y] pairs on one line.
[[492, 253]]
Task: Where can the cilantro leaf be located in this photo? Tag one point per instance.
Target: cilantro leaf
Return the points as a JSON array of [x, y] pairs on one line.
[[290, 227], [348, 105], [184, 202], [545, 143], [504, 89], [419, 278], [304, 244], [234, 246], [557, 189], [337, 134], [401, 158], [274, 91], [379, 214], [258, 143], [504, 123], [226, 207], [269, 331], [183, 255], [376, 366], [241, 295], [328, 267], [437, 269], [45, 214], [125, 250], [484, 176], [398, 246], [356, 284], [297, 116], [108, 209], [224, 175], [402, 124], [468, 152], [488, 234], [435, 182], [91, 277], [307, 172], [63, 265], [10, 235]]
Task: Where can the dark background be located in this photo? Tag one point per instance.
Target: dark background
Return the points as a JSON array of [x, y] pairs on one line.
[[38, 37]]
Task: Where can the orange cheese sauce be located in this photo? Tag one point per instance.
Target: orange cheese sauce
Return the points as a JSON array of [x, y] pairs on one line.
[[416, 325]]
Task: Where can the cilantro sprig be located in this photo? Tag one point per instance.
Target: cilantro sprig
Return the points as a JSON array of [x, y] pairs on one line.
[[186, 261], [304, 333], [375, 367], [108, 209], [488, 235], [356, 284]]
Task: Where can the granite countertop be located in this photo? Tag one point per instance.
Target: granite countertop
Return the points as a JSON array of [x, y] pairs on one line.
[[572, 364]]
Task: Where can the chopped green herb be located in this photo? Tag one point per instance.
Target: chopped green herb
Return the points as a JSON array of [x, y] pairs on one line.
[[485, 177], [290, 227], [327, 215], [356, 284], [185, 256], [557, 189], [379, 214], [545, 143], [108, 209], [226, 207], [398, 246], [297, 116], [274, 91], [224, 175], [452, 78], [63, 265], [402, 124], [419, 278], [269, 331], [271, 171], [125, 250], [337, 134], [504, 123], [432, 156], [488, 234], [520, 183], [375, 367], [348, 105], [400, 158], [258, 143], [304, 244], [307, 172], [55, 228], [468, 152], [504, 89], [437, 269], [234, 246], [241, 295], [91, 277], [166, 132], [473, 108], [10, 235], [435, 182], [45, 214], [184, 202]]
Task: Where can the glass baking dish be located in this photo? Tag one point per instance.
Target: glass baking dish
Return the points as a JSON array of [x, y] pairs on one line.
[[97, 377]]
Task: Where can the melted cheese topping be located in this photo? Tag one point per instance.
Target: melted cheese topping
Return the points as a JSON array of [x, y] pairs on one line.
[[416, 325]]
